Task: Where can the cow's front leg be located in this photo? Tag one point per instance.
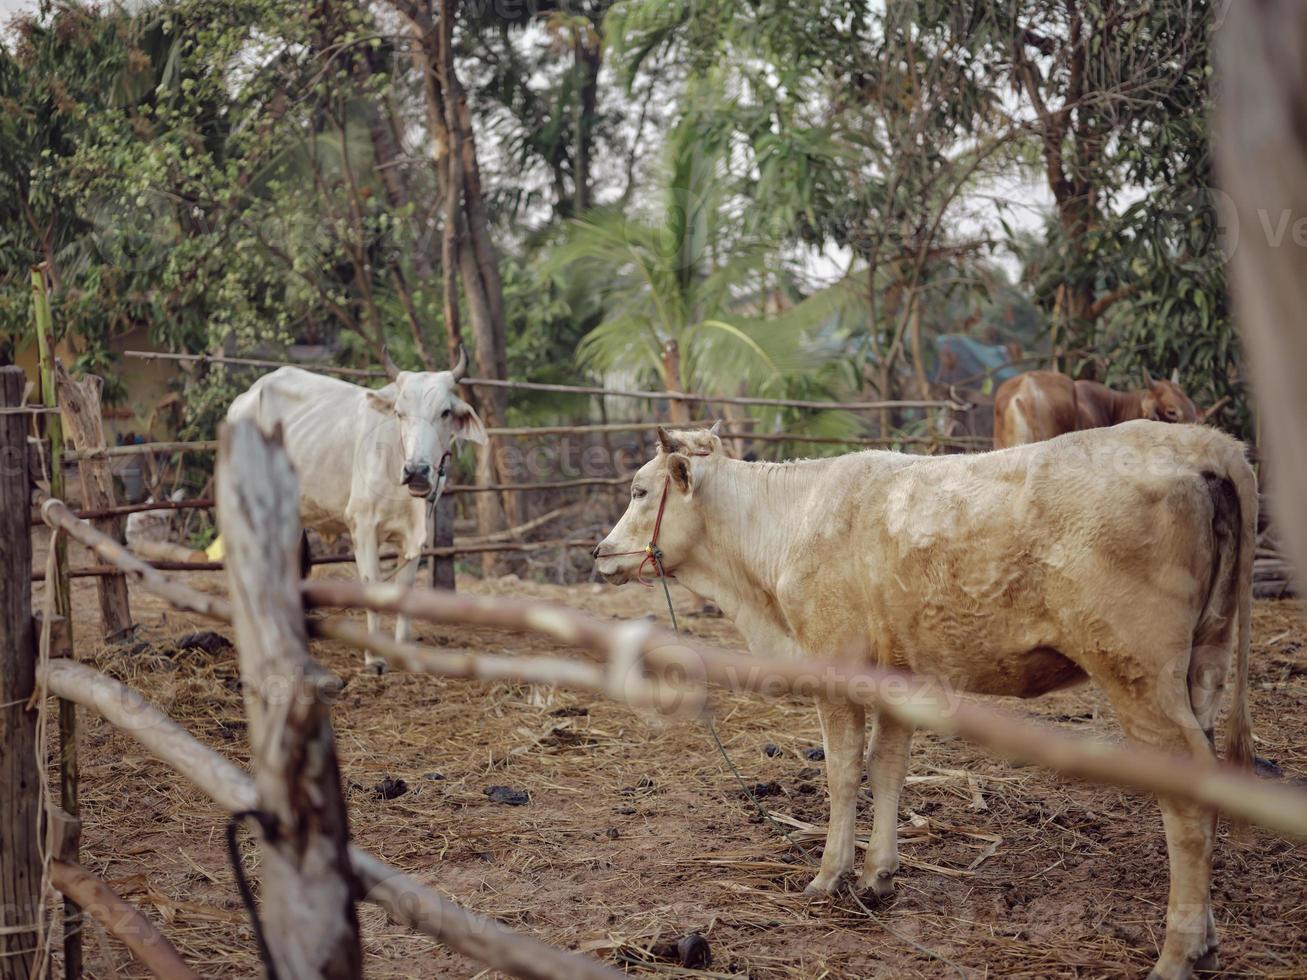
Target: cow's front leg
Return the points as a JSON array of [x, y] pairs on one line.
[[887, 767], [844, 733], [405, 577], [367, 557]]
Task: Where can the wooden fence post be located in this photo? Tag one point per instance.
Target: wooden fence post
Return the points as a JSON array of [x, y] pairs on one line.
[[309, 889], [20, 775], [442, 566], [79, 405], [1262, 163], [68, 768]]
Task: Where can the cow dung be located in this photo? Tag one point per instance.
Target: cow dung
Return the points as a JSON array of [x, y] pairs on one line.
[[205, 640], [389, 788], [507, 796], [691, 951], [814, 754], [1267, 769]]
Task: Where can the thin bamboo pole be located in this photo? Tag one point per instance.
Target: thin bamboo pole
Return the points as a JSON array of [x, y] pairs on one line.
[[68, 767], [674, 396], [89, 571], [209, 445]]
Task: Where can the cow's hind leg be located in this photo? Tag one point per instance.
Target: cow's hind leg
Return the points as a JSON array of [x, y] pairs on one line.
[[368, 558], [1209, 663], [844, 734], [886, 767], [1156, 710]]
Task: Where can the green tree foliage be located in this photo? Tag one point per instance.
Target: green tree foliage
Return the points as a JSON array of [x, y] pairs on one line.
[[801, 196]]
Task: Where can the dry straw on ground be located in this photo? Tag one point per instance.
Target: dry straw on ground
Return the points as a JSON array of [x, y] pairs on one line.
[[636, 833]]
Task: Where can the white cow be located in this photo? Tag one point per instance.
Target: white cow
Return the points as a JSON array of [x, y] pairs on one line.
[[370, 462], [1120, 555]]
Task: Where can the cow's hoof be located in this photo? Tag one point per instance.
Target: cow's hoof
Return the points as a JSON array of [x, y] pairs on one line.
[[824, 885], [880, 884], [377, 667], [1209, 962]]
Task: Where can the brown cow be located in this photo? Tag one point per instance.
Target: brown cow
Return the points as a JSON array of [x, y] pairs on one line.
[[1039, 405]]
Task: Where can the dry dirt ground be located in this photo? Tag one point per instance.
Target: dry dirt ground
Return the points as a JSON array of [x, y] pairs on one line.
[[636, 833]]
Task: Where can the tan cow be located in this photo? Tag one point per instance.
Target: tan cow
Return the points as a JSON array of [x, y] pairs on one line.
[[1039, 405], [1121, 555]]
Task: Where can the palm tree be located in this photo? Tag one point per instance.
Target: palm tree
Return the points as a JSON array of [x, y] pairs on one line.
[[685, 276]]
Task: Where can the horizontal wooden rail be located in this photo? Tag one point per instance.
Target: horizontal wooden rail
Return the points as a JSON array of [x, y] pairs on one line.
[[452, 551], [674, 396], [210, 445], [206, 503], [143, 449], [231, 788], [919, 702]]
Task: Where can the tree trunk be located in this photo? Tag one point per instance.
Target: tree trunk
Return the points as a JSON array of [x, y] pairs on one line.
[[482, 290], [308, 912], [678, 412], [586, 55], [466, 251]]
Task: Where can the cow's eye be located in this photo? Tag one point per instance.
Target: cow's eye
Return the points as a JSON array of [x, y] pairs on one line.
[[446, 413], [638, 492]]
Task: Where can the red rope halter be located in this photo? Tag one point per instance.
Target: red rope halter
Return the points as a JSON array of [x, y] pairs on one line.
[[651, 551]]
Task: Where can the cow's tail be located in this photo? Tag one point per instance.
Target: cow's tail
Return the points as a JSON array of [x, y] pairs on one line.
[[1239, 733]]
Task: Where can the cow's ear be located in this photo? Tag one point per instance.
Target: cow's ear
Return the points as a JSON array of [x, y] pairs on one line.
[[678, 469], [382, 402], [467, 424], [665, 441]]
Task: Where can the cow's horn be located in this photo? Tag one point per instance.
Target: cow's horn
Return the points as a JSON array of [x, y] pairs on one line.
[[716, 428], [392, 372], [1148, 379], [459, 370], [1175, 376]]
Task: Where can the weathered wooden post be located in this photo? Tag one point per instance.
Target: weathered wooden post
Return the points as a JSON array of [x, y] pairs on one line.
[[442, 568], [309, 921], [68, 768], [20, 775], [79, 405], [1262, 163]]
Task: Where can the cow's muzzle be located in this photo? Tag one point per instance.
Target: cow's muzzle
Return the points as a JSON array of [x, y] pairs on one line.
[[609, 566], [417, 478]]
